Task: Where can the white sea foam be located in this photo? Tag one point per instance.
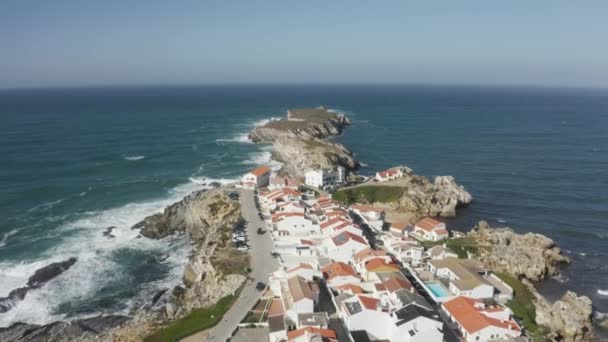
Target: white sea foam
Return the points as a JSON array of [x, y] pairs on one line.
[[6, 236], [97, 266], [602, 292], [134, 158], [239, 138]]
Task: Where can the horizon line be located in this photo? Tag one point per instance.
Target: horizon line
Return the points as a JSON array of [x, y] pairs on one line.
[[308, 84]]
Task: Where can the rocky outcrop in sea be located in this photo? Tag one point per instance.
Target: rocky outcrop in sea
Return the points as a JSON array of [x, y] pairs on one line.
[[531, 258], [300, 141], [441, 197], [36, 281]]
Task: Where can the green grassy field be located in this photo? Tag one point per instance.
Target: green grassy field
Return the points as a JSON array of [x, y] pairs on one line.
[[523, 307], [196, 321], [369, 194]]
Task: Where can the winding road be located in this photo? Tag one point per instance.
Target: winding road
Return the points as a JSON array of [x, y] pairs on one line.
[[262, 264]]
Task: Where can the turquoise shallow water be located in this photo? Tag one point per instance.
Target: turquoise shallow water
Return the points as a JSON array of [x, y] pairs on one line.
[[75, 161]]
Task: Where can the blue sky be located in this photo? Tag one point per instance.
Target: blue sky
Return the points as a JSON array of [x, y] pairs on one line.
[[71, 43]]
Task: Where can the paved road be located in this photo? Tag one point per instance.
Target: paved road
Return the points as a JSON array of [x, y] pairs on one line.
[[262, 264]]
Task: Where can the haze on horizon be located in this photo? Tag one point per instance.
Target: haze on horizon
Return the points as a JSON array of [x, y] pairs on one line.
[[73, 43]]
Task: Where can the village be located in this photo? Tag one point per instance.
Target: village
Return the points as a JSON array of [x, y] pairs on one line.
[[355, 273]]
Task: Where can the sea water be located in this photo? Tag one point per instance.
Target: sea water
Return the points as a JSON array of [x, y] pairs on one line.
[[76, 161]]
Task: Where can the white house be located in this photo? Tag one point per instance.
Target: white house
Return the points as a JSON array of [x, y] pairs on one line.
[[256, 178], [408, 253], [325, 179], [480, 322], [304, 270], [389, 174], [440, 252], [464, 276], [410, 323], [430, 229], [344, 245], [415, 323], [299, 296], [338, 273], [401, 229], [292, 224]]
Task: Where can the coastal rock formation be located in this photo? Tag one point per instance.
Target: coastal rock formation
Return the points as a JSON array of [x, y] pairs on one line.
[[530, 256], [194, 215], [78, 330], [37, 280], [207, 217], [417, 194], [439, 198], [299, 155], [299, 141], [307, 123], [568, 319]]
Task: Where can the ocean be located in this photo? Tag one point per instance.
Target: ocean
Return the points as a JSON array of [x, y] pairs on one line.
[[76, 161]]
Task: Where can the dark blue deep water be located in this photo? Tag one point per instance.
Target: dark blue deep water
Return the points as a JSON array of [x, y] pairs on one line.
[[75, 161]]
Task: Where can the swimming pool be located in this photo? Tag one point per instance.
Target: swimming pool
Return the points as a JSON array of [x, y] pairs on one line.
[[438, 290]]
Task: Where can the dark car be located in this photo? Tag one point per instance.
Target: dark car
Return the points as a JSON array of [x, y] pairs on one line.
[[274, 254], [260, 286], [261, 231]]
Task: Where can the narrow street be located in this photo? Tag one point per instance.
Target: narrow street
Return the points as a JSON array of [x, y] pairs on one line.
[[262, 264]]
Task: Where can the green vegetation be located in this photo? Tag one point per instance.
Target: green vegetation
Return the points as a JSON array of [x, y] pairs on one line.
[[460, 246], [318, 115], [231, 261], [197, 320], [522, 306], [369, 194]]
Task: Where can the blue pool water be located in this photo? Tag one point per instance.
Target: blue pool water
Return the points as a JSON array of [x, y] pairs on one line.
[[438, 290]]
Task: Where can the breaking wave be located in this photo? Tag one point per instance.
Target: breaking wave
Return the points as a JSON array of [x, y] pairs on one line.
[[103, 265], [134, 158]]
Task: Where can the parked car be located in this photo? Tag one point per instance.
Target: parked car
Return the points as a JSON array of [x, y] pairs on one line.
[[261, 231], [260, 286]]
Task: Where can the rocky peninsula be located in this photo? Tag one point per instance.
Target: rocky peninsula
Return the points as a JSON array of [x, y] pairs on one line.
[[300, 141], [531, 258]]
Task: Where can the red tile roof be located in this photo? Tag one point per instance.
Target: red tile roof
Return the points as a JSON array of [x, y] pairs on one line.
[[469, 314], [368, 252], [369, 302], [338, 269], [397, 283], [355, 289], [260, 171], [324, 333], [379, 265], [276, 308], [344, 237], [427, 224]]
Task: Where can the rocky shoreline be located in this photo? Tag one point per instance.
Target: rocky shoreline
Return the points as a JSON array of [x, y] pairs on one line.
[[206, 217], [531, 258], [300, 142], [528, 257]]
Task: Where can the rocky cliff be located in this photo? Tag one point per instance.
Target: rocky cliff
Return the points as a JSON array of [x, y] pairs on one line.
[[207, 217], [569, 319], [531, 258], [425, 198], [300, 141], [307, 123], [299, 155], [419, 196]]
